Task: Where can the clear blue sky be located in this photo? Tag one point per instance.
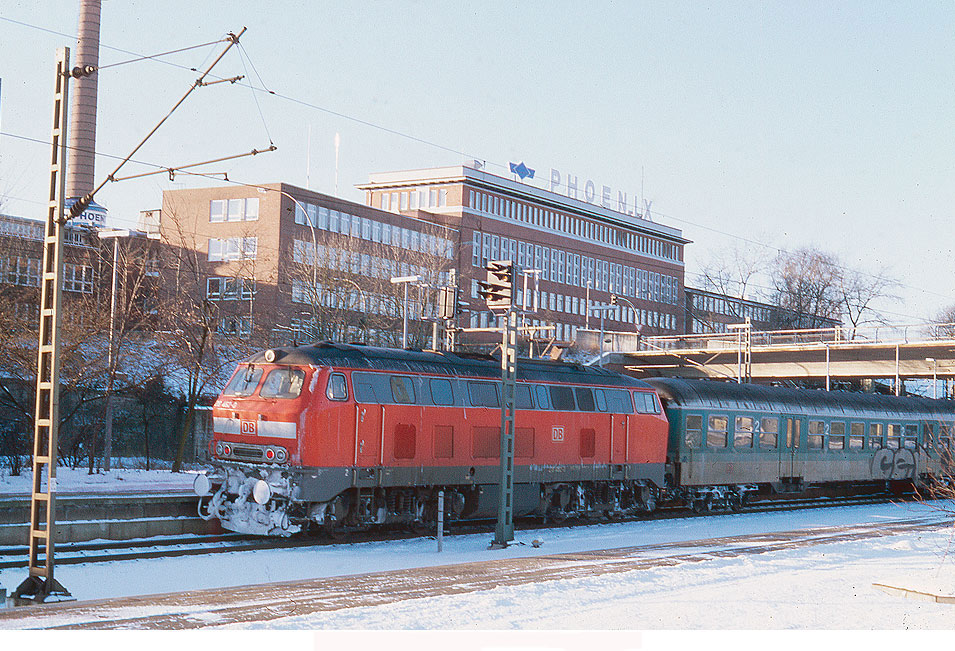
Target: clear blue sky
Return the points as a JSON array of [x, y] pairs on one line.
[[829, 124]]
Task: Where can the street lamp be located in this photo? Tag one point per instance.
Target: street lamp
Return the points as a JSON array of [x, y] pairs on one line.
[[934, 375], [114, 235], [405, 280]]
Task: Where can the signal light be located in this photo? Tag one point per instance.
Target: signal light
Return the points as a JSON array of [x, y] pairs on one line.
[[498, 290], [270, 454]]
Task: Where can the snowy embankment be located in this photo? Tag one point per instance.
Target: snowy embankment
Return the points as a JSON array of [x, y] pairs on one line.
[[821, 586]]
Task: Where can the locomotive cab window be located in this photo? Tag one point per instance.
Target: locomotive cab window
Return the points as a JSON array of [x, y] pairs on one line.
[[543, 396], [619, 401], [336, 389], [562, 398], [601, 399], [647, 403], [522, 397], [716, 432], [283, 383], [244, 381]]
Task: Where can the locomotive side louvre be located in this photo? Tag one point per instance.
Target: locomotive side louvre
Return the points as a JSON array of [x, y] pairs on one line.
[[379, 431], [728, 440]]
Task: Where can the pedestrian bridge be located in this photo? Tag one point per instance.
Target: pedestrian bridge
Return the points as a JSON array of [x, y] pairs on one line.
[[925, 351]]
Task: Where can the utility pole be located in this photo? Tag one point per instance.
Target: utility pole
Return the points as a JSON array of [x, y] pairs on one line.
[[498, 292], [40, 585]]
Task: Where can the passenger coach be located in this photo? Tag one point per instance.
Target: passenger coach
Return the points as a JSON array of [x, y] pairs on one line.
[[350, 436], [730, 440]]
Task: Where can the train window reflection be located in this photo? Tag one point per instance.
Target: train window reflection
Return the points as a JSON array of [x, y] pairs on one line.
[[716, 432], [619, 402], [768, 432], [441, 391], [244, 381], [522, 397], [694, 431], [543, 397], [562, 398], [817, 429], [894, 441], [856, 436], [283, 383], [402, 390], [647, 403], [876, 441], [837, 436], [601, 398], [585, 399], [483, 394], [336, 389], [743, 434]]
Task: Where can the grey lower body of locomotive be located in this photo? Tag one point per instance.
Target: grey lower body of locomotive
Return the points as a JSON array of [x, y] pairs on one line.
[[275, 500]]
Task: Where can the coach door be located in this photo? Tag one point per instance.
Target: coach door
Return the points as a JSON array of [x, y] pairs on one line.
[[789, 457]]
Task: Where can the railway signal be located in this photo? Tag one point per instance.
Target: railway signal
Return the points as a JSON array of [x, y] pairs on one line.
[[498, 290]]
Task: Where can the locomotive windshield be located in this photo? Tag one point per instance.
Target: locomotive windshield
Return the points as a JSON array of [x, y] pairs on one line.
[[284, 383], [244, 382]]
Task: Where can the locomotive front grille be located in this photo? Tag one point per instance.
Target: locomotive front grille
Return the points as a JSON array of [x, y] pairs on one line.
[[252, 454]]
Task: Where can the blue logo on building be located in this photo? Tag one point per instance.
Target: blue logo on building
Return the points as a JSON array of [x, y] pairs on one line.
[[522, 170]]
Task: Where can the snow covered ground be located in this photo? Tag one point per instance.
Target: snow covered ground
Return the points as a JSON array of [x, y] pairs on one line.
[[826, 586], [78, 480]]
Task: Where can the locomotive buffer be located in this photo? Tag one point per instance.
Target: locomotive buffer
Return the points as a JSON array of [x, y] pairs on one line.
[[498, 292]]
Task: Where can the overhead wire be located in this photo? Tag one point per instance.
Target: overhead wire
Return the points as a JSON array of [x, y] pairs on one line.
[[301, 102]]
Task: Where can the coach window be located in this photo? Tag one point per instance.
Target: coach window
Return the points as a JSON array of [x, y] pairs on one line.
[[585, 398], [336, 390], [743, 432], [910, 437], [543, 397], [768, 432], [402, 390], [483, 394], [817, 431], [876, 432], [441, 391], [716, 432], [694, 431], [856, 436], [283, 383], [894, 441], [562, 398], [837, 436], [945, 439]]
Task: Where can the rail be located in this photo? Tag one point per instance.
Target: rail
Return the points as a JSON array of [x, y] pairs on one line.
[[872, 335]]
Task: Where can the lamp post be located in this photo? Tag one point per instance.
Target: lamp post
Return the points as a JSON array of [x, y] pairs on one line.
[[114, 235], [405, 280], [934, 375]]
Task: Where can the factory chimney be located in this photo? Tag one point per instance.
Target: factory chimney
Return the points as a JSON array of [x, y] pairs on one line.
[[79, 179]]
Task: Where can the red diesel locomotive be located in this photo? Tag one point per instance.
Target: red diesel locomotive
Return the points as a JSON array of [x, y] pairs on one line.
[[339, 436]]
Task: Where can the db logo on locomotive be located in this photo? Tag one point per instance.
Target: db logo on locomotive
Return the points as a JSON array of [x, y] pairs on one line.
[[248, 427]]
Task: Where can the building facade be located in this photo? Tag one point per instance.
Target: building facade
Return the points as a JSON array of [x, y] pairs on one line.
[[583, 252], [710, 312], [286, 264]]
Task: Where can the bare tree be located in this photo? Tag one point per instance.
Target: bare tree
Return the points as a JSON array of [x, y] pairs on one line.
[[859, 292], [343, 284], [807, 286]]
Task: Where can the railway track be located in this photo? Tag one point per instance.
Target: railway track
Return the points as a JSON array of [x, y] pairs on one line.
[[15, 556]]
